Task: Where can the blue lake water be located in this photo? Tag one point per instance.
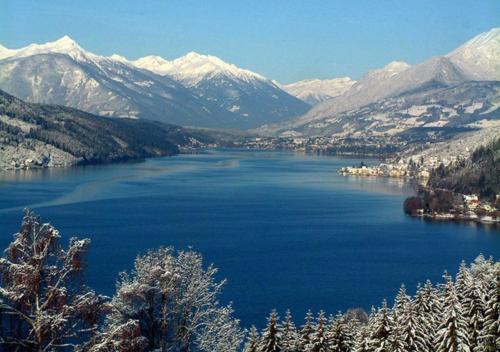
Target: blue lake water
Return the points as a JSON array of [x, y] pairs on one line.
[[283, 228]]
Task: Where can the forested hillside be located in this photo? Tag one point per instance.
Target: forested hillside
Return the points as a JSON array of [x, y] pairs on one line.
[[480, 174], [55, 134]]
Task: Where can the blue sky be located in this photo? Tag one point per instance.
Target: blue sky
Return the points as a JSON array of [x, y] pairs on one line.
[[286, 40]]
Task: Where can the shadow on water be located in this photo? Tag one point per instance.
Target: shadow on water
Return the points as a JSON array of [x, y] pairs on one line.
[[96, 182]]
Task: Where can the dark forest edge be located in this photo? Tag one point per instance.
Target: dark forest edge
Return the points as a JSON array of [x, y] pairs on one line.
[[40, 135], [170, 302], [466, 191]]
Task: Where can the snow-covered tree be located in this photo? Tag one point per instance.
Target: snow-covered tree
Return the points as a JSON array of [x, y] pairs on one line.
[[379, 339], [452, 334], [122, 337], [173, 298], [318, 339], [271, 335], [428, 307], [462, 281], [489, 336], [474, 306], [401, 302], [253, 339], [412, 332], [341, 334], [221, 333], [362, 340], [306, 331], [44, 303], [290, 336]]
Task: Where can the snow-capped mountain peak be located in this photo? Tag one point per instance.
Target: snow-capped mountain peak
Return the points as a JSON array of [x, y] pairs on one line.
[[64, 42], [119, 58], [153, 63], [479, 57], [391, 69], [64, 45], [194, 67], [314, 91]]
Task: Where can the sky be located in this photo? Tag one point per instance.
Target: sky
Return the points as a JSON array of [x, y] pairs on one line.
[[285, 40]]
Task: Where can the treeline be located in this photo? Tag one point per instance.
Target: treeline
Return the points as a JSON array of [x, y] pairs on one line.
[[479, 174], [461, 315], [169, 302]]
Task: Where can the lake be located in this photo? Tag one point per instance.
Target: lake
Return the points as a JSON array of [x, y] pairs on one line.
[[285, 229]]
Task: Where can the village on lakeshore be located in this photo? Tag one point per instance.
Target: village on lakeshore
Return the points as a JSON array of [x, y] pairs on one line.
[[429, 202]]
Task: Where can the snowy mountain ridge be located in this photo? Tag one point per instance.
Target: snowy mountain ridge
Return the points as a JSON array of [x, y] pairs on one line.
[[314, 91], [480, 56], [190, 68], [64, 45], [193, 90], [476, 60], [194, 67]]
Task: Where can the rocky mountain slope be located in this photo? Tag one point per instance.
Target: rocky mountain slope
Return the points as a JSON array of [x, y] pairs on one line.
[[378, 101], [479, 58], [315, 91], [223, 95], [467, 105], [63, 73], [37, 135], [248, 95]]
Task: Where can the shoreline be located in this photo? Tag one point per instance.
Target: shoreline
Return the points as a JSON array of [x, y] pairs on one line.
[[457, 219]]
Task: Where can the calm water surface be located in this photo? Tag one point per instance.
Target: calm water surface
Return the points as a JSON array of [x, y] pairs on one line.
[[284, 229]]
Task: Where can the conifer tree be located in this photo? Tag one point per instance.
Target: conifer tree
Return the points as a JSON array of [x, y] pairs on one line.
[[428, 308], [252, 344], [362, 339], [400, 302], [271, 335], [452, 334], [341, 334], [489, 336], [318, 341], [413, 333], [290, 338], [306, 331], [474, 305], [462, 282], [381, 330]]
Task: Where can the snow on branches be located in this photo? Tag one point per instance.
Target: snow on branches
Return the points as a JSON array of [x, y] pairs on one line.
[[44, 304], [460, 316], [170, 302]]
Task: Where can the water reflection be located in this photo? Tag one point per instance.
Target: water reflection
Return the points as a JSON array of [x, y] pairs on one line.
[[385, 185]]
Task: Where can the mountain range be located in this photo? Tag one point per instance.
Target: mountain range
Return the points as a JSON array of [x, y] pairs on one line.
[[436, 93], [194, 90], [459, 89]]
